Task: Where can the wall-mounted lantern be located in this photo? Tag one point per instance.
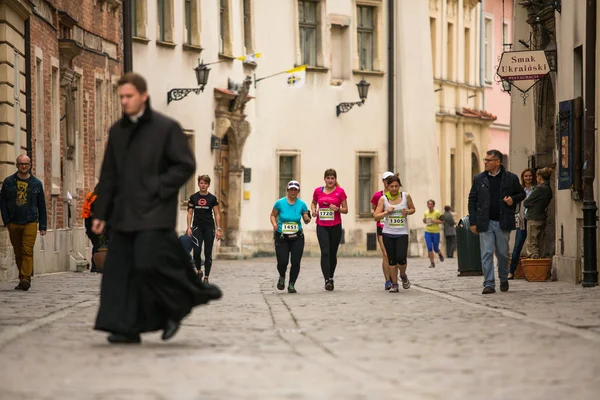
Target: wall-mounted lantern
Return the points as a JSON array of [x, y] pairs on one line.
[[202, 71], [363, 91]]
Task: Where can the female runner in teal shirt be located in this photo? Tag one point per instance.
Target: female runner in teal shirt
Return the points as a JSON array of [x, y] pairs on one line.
[[286, 218]]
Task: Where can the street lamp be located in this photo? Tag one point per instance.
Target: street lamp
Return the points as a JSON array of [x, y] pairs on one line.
[[363, 91], [202, 71]]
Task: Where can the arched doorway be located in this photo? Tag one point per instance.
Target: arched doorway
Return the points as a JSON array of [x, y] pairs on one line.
[[223, 193], [474, 165]]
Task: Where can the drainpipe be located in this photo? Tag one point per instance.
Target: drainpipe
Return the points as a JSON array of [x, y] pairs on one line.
[[391, 75], [28, 89], [127, 42], [482, 54], [590, 269]]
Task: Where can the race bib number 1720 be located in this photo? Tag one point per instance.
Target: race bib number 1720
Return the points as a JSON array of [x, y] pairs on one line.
[[326, 214]]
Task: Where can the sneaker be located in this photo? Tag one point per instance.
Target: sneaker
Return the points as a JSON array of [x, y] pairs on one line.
[[504, 286], [441, 257], [488, 290], [19, 287], [432, 265], [332, 284], [291, 288], [200, 274], [205, 279], [25, 285], [329, 284], [405, 282], [388, 285], [281, 283], [394, 288]]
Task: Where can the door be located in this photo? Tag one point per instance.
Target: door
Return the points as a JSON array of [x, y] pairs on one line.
[[223, 194]]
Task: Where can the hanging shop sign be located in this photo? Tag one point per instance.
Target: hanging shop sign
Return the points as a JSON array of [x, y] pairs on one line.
[[523, 69]]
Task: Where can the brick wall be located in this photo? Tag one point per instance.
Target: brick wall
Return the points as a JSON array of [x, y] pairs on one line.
[[100, 24]]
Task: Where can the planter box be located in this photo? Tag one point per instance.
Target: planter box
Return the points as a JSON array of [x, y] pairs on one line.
[[100, 258], [537, 269], [519, 272]]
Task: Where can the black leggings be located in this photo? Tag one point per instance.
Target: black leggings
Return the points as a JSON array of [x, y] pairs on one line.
[[206, 235], [283, 249], [396, 248], [329, 241]]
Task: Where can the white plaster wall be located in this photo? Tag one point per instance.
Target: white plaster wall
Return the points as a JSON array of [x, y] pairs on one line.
[[281, 118]]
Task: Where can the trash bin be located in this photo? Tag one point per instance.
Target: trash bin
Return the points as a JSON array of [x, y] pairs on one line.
[[469, 255]]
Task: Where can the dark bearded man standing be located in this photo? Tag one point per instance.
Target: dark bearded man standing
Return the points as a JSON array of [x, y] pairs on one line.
[[147, 283]]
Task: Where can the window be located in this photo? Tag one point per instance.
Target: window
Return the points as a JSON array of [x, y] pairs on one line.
[[55, 119], [17, 106], [99, 125], [133, 14], [308, 19], [488, 53], [164, 13], [188, 21], [287, 167], [433, 32], [450, 52], [248, 25], [160, 10], [366, 37], [452, 180], [138, 18], [39, 119], [467, 77], [365, 184], [190, 186], [226, 44]]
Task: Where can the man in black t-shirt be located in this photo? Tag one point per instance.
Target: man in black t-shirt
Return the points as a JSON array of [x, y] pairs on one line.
[[201, 224]]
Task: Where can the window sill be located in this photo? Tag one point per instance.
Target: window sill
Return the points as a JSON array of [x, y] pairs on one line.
[[250, 64], [226, 57], [139, 39], [365, 216], [192, 47], [316, 69], [368, 73], [169, 45]]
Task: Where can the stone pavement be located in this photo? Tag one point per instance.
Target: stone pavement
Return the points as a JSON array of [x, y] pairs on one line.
[[441, 339]]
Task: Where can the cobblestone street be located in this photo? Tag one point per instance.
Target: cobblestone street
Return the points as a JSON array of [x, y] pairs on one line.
[[441, 339]]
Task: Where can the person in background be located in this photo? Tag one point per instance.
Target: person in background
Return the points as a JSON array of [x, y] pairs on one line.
[[521, 222], [432, 223], [88, 216], [374, 201], [328, 204], [449, 231], [394, 207], [203, 211], [23, 208], [536, 211], [286, 218], [493, 198]]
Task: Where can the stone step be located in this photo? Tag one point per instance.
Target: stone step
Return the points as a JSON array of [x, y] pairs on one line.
[[229, 249], [233, 256]]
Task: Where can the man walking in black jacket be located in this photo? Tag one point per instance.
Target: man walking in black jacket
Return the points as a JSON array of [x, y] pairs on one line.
[[147, 283], [492, 201]]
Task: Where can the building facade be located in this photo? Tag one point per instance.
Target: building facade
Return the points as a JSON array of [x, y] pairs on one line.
[[462, 124], [252, 135], [68, 59], [496, 34], [548, 129]]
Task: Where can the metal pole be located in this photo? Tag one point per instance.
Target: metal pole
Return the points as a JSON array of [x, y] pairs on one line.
[[391, 82], [590, 269]]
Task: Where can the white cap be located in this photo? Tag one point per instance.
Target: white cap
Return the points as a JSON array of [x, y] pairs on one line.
[[386, 175], [293, 184]]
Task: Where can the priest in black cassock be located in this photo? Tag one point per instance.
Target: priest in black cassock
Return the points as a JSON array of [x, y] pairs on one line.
[[148, 284]]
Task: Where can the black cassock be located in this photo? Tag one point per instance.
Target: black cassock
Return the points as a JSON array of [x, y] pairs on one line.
[[147, 277]]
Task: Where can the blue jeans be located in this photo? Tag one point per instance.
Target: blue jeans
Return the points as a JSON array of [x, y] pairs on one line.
[[494, 237], [520, 238], [433, 241]]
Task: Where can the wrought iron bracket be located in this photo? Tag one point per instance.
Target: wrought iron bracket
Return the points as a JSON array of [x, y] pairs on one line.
[[178, 94], [345, 107]]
